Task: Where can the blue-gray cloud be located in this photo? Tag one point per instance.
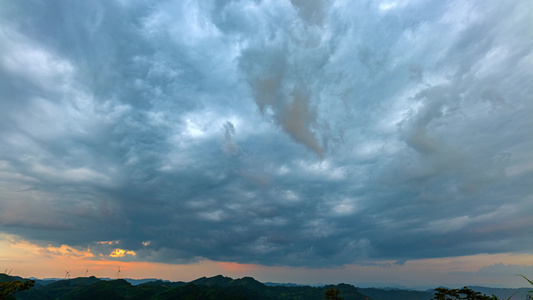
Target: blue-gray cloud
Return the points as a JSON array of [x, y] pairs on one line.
[[272, 132]]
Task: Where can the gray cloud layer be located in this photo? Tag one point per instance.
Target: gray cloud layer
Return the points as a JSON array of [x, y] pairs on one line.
[[272, 132]]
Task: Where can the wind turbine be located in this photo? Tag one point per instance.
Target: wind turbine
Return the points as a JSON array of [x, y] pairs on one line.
[[118, 272], [67, 274], [86, 271]]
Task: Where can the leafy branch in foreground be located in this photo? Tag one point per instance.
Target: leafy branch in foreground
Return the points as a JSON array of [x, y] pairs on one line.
[[468, 294], [530, 293], [332, 294], [459, 294], [9, 288]]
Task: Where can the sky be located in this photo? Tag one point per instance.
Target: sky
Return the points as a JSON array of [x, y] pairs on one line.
[[367, 142]]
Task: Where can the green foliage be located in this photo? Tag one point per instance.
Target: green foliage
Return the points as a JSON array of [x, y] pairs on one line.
[[7, 289], [530, 293], [332, 294], [458, 294]]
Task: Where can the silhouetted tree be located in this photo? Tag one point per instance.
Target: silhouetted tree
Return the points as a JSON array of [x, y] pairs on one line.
[[9, 288], [332, 294], [458, 294]]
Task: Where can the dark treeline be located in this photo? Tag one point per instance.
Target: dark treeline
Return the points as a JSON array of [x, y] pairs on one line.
[[212, 288]]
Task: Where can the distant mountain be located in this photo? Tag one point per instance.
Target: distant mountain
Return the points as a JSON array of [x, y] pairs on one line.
[[281, 284], [115, 289], [164, 283], [44, 281], [216, 280], [141, 281], [59, 288], [503, 293], [348, 292], [396, 294], [219, 288], [134, 281], [8, 278], [216, 292]]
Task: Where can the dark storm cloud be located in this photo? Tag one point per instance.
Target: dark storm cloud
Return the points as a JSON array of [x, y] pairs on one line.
[[272, 132]]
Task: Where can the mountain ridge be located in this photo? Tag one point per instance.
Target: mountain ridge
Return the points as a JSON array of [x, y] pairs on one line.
[[218, 287]]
